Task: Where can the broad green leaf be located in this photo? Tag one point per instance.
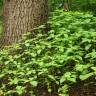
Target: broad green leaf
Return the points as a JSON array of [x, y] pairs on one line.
[[33, 83], [20, 89], [86, 76]]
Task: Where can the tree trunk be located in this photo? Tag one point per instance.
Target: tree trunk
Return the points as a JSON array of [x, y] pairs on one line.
[[21, 16]]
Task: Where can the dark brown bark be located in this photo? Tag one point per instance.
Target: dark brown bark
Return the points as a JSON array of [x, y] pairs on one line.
[[21, 16]]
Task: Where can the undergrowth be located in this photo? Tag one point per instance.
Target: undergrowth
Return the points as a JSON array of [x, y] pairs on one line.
[[50, 63]]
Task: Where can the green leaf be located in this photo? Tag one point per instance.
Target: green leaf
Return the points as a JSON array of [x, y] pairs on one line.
[[86, 76], [14, 81], [33, 54], [49, 90], [93, 68], [33, 83], [88, 47], [39, 51], [72, 79], [63, 89], [61, 49], [79, 67], [27, 44], [65, 76], [2, 75], [51, 77], [20, 89], [62, 79]]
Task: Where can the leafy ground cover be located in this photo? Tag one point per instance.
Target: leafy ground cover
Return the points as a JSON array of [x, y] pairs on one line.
[[50, 63]]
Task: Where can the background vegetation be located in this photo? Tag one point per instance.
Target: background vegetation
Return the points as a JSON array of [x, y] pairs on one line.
[[75, 5]]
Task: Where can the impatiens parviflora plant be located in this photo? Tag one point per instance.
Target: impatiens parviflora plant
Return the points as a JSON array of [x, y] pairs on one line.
[[66, 54]]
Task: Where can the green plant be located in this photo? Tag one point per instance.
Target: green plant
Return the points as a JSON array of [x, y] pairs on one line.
[[53, 4], [51, 62], [83, 5], [74, 5]]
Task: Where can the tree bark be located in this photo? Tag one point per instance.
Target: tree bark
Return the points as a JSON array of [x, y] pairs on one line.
[[21, 16]]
